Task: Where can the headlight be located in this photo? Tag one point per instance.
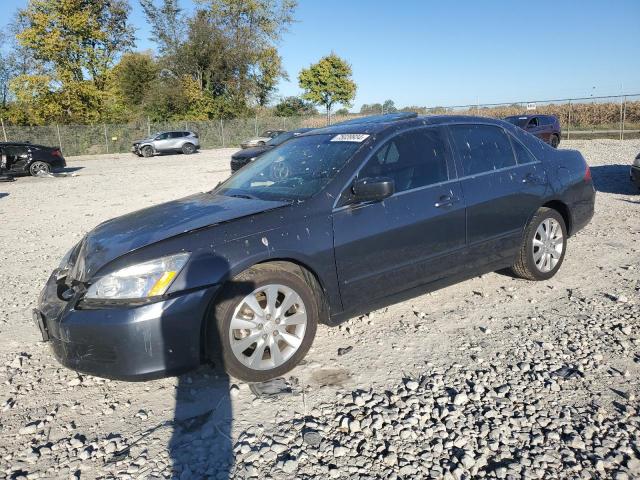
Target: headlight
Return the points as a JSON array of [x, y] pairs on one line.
[[143, 280]]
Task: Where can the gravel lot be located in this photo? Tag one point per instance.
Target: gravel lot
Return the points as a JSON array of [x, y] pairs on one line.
[[494, 377]]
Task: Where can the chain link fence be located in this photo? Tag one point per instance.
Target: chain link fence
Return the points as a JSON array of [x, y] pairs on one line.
[[589, 117], [616, 117]]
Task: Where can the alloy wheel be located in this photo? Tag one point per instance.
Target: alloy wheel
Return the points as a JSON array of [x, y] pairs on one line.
[[267, 327], [548, 244]]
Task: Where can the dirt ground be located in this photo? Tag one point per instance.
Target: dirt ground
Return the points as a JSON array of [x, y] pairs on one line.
[[57, 424]]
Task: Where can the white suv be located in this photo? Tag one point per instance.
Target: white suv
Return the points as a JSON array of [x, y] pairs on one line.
[[164, 142]]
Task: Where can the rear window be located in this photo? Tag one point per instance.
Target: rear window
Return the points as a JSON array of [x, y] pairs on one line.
[[523, 155], [482, 148]]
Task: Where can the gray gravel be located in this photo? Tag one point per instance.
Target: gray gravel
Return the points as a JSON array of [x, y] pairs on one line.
[[494, 377]]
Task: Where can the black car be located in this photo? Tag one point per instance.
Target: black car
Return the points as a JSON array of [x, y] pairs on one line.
[[545, 127], [635, 171], [242, 157], [329, 225], [28, 158]]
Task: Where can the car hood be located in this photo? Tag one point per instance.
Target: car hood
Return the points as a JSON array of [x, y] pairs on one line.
[[121, 235], [251, 152]]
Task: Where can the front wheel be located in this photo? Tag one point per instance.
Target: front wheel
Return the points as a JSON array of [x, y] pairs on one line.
[[544, 246], [147, 151], [265, 322], [39, 168], [555, 141]]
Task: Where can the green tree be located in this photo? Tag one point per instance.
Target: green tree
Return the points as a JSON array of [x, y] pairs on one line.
[[328, 82], [76, 43], [389, 107], [134, 77], [228, 47], [371, 109], [293, 107]]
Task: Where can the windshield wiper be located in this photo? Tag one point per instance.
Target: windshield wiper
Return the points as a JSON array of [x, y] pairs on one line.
[[242, 195]]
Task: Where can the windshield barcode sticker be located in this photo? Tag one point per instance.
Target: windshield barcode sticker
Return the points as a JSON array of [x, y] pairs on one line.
[[350, 137]]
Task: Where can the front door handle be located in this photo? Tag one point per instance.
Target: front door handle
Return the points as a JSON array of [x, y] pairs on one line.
[[445, 201]]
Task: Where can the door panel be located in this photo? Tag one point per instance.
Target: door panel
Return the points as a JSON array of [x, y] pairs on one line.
[[402, 242], [409, 238], [500, 194]]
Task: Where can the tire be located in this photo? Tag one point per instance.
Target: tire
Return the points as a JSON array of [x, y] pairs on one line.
[[257, 335], [188, 148], [531, 263], [554, 141], [37, 167], [147, 151]]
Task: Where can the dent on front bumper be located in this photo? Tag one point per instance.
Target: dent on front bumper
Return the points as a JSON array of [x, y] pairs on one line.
[[127, 343]]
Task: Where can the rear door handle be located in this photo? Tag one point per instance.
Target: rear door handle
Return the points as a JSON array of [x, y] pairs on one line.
[[445, 201], [532, 178]]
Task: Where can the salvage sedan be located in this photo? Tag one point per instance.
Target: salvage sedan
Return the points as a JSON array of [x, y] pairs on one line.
[[327, 226]]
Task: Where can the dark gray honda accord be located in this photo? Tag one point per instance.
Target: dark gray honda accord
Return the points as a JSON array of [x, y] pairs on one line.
[[329, 225]]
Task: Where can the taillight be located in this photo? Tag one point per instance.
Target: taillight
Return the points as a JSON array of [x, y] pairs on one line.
[[587, 174], [56, 153]]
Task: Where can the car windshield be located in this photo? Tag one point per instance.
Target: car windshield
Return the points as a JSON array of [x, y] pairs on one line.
[[278, 139], [294, 171], [518, 121]]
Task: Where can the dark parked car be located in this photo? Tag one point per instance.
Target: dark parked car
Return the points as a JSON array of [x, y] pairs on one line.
[[545, 127], [635, 171], [242, 157], [31, 159], [167, 142], [328, 225]]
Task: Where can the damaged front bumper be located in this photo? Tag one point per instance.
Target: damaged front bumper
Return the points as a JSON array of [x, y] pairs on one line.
[[143, 342]]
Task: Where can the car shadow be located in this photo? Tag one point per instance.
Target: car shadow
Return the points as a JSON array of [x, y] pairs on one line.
[[2, 194], [201, 445], [613, 179], [68, 169]]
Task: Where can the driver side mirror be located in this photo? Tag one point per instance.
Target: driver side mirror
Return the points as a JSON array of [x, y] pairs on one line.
[[373, 189]]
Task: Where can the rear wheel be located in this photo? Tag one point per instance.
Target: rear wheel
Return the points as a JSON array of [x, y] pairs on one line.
[[554, 141], [37, 168], [264, 322], [188, 148], [147, 151], [543, 247]]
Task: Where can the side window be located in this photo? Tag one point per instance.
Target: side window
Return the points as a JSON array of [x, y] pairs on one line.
[[533, 123], [523, 155], [482, 148], [162, 136], [412, 159]]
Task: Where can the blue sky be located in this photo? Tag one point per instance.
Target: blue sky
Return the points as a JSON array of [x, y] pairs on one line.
[[419, 52]]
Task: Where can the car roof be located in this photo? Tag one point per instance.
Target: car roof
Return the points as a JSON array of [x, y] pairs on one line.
[[22, 144], [378, 124]]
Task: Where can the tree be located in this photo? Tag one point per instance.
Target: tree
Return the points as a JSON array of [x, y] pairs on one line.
[[371, 109], [135, 76], [227, 47], [76, 43], [328, 82], [389, 107], [293, 107]]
